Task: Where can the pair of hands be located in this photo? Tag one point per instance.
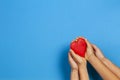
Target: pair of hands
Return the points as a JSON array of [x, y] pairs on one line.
[[106, 69]]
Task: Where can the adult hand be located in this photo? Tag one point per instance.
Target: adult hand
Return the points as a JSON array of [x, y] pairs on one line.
[[106, 61], [95, 58]]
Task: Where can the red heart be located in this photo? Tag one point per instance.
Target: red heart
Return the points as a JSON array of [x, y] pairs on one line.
[[79, 47]]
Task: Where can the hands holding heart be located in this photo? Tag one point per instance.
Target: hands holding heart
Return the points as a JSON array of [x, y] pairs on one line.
[[82, 47], [79, 46], [81, 50]]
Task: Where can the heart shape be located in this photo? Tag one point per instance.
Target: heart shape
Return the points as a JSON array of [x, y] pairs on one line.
[[79, 46]]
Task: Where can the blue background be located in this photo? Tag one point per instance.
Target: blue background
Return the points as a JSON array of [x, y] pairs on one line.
[[35, 35]]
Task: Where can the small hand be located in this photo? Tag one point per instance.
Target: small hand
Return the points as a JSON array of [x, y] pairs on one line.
[[81, 62], [74, 68], [77, 58], [73, 64]]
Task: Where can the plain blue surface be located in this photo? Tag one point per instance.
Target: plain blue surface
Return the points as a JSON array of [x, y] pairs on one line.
[[35, 35]]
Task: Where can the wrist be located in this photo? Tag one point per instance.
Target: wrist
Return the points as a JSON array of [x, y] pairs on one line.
[[104, 60], [74, 70], [91, 58]]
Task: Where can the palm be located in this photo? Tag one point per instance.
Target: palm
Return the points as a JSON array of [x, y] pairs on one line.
[[73, 64]]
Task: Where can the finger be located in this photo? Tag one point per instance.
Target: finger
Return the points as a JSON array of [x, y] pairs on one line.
[[98, 52], [89, 51], [76, 57], [106, 62], [88, 43], [71, 59]]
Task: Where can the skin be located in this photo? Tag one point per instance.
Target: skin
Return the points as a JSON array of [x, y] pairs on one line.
[[106, 69], [106, 61], [74, 68], [78, 67], [100, 67]]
